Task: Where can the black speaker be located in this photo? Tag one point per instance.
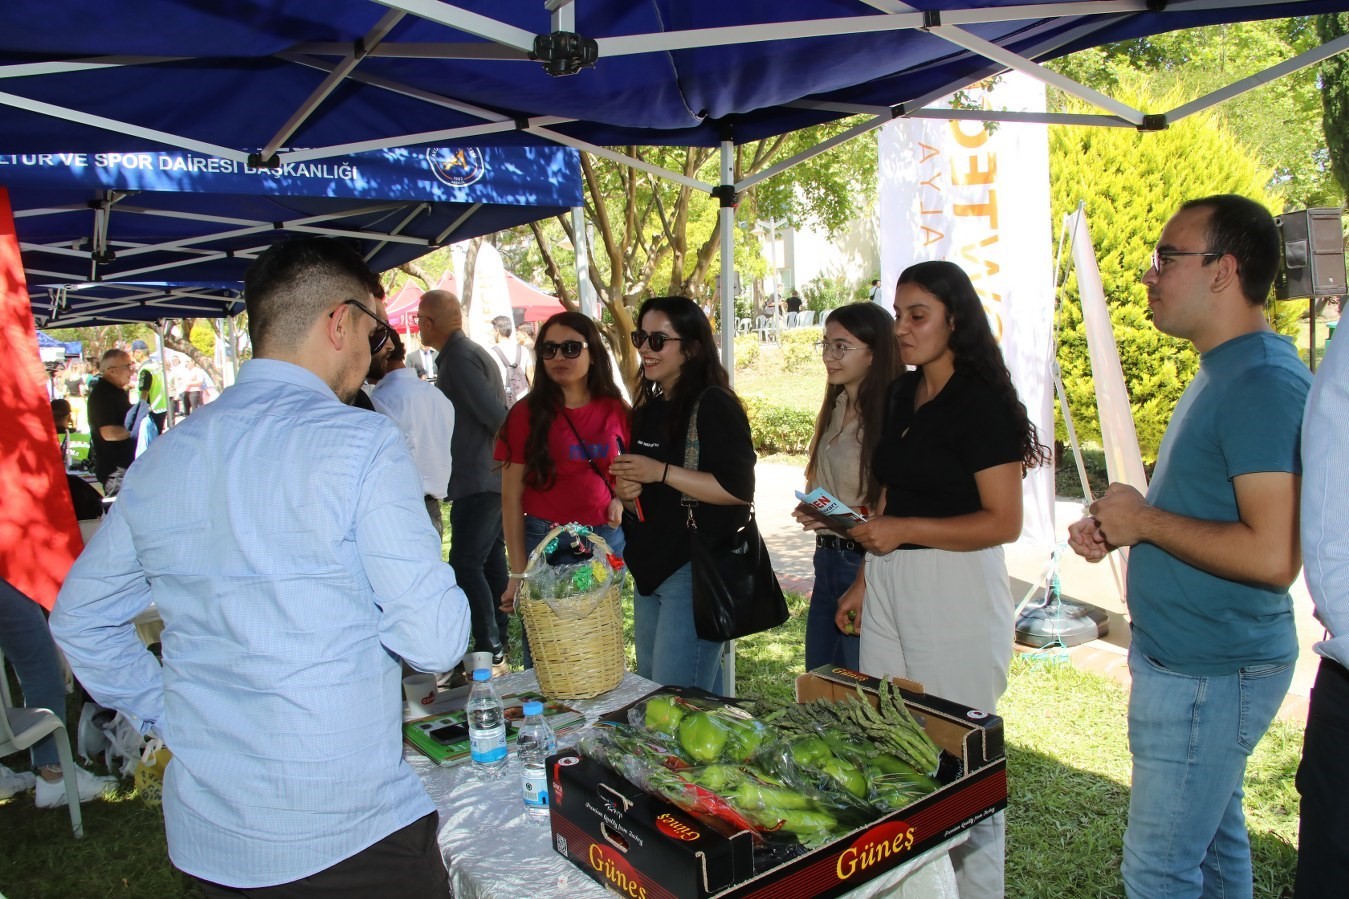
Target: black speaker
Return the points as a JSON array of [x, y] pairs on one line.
[[1312, 241]]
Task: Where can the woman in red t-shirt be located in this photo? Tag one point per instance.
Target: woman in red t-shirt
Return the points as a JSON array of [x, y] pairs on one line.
[[556, 445]]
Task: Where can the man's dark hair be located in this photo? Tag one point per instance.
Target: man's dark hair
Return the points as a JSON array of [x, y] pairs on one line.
[[503, 325], [1242, 228], [291, 284]]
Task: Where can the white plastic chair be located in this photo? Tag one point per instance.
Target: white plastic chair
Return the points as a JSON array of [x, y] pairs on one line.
[[791, 320], [21, 727], [743, 326], [805, 318]]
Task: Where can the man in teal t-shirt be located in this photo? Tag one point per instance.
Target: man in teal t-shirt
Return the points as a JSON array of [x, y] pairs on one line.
[[1215, 547]]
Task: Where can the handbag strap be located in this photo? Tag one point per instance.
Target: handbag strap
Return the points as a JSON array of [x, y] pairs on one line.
[[589, 458], [691, 462]]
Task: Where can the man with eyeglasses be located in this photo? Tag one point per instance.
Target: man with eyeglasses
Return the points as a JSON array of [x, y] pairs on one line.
[[113, 447], [294, 580], [1214, 549], [467, 375]]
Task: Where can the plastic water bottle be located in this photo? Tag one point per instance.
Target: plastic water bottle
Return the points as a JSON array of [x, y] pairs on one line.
[[486, 726], [535, 743]]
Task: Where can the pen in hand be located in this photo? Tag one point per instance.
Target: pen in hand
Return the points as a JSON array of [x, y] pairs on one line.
[[636, 500]]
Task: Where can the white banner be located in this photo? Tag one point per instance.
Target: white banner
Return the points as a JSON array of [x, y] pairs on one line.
[[959, 191]]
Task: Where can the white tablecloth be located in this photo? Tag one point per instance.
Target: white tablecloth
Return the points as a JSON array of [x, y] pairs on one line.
[[494, 851]]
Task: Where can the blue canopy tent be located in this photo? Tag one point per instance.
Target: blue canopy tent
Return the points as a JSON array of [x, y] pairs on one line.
[[153, 235]]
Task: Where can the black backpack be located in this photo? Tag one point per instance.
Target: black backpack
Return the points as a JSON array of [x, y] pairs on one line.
[[517, 382]]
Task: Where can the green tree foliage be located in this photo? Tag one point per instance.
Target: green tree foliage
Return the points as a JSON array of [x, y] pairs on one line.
[[1279, 122], [1131, 183], [1335, 97]]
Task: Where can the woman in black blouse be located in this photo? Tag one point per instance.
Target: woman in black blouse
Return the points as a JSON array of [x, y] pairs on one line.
[[954, 447], [679, 369]]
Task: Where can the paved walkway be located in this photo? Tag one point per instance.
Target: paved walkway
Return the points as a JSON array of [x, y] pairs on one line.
[[792, 550]]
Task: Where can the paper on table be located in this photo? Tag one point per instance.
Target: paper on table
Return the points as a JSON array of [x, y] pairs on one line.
[[824, 506]]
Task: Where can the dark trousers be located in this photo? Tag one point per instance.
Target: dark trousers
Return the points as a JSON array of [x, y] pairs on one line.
[[478, 557], [1323, 781], [407, 863]]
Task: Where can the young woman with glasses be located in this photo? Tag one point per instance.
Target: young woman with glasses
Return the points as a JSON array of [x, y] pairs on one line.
[[556, 445], [860, 361], [955, 444], [679, 369]]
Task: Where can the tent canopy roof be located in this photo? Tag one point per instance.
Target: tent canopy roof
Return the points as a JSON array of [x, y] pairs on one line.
[[352, 74]]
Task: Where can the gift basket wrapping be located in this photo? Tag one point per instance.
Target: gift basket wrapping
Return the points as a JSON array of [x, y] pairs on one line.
[[569, 603]]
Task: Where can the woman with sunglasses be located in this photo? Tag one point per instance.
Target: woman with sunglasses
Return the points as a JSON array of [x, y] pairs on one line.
[[955, 444], [860, 361], [679, 370], [556, 445]]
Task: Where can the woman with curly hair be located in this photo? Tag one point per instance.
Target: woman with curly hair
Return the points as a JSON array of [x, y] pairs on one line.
[[682, 381], [954, 447], [556, 445], [860, 362]]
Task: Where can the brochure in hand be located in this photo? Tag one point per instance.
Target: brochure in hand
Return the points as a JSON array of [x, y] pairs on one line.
[[824, 506], [443, 738]]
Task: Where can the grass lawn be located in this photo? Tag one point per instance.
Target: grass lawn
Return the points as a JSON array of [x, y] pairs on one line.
[[768, 378], [1068, 770]]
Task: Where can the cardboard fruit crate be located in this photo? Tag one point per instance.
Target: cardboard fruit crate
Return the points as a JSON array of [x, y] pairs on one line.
[[641, 846]]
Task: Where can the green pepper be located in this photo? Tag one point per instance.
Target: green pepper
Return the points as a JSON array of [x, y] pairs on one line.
[[887, 768], [751, 795], [745, 735], [810, 752], [703, 737], [797, 821], [663, 715], [717, 778], [846, 775]]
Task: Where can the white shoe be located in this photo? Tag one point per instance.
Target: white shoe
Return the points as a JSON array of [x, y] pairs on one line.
[[53, 795], [13, 783]]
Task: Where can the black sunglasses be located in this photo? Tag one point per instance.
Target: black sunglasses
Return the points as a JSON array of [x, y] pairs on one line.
[[383, 330], [570, 349], [657, 340]]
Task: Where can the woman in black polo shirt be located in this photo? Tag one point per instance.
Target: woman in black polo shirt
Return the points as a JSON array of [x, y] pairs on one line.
[[954, 447], [679, 369]]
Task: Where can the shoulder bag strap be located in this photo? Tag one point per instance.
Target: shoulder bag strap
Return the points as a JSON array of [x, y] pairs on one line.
[[691, 462], [585, 449]]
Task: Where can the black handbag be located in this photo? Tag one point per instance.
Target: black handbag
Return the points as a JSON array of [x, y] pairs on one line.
[[735, 592]]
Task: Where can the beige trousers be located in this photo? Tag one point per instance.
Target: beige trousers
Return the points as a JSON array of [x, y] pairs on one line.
[[944, 619]]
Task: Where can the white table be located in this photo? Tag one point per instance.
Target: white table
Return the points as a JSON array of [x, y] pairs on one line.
[[494, 851]]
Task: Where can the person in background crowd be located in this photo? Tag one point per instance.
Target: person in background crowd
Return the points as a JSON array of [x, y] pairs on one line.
[[423, 362], [932, 598], [194, 387], [28, 647], [874, 295], [75, 379], [467, 375], [140, 421], [555, 449], [1215, 547], [515, 373], [793, 301], [860, 361], [293, 585], [426, 418], [680, 369], [112, 443], [177, 384], [153, 391]]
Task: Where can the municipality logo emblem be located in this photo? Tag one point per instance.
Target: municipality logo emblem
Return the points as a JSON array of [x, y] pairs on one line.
[[456, 166]]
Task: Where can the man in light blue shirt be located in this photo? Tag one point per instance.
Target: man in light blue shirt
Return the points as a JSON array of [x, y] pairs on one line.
[[1323, 777], [294, 572]]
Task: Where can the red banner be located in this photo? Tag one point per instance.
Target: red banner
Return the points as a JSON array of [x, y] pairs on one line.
[[39, 537]]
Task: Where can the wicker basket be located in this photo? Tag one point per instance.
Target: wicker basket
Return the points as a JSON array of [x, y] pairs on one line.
[[574, 620]]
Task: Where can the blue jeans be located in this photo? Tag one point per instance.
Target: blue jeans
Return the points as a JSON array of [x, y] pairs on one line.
[[669, 650], [537, 528], [28, 646], [835, 571], [1190, 737], [478, 557]]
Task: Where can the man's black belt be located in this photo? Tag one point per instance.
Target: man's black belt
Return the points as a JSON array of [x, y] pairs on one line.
[[829, 541]]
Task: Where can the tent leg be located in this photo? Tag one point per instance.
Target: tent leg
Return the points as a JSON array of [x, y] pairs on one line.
[[727, 313], [160, 330], [585, 291]]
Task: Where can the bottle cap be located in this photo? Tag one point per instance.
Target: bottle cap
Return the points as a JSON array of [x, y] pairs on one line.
[[482, 674], [533, 707]]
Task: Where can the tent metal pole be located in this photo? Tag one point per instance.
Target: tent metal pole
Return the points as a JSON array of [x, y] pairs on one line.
[[726, 215], [160, 331], [580, 242], [620, 158]]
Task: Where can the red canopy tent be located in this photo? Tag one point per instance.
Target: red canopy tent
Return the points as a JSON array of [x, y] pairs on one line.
[[402, 309], [536, 304], [526, 299]]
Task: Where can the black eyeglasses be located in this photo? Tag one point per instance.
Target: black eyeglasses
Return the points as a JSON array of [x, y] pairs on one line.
[[383, 330], [657, 340], [1162, 257], [570, 349]]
